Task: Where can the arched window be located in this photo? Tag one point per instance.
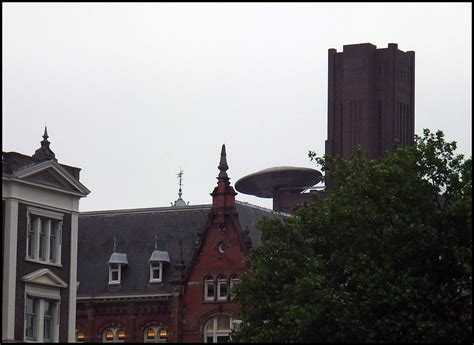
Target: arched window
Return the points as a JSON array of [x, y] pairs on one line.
[[80, 336], [233, 281], [113, 335], [222, 288], [209, 289], [217, 329], [155, 334]]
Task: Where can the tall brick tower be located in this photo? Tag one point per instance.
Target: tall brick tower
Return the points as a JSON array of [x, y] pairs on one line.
[[371, 99]]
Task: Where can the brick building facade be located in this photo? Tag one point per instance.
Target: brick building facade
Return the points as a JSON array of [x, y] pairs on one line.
[[371, 99], [196, 252]]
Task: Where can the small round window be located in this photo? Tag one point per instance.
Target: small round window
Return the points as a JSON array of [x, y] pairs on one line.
[[222, 247]]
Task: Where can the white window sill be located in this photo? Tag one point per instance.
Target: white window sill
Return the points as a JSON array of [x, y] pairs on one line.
[[43, 263], [155, 281], [114, 283]]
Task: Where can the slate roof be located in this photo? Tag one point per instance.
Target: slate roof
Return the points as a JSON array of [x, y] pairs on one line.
[[135, 231]]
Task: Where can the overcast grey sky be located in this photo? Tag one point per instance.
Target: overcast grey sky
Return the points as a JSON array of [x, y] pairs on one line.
[[131, 92]]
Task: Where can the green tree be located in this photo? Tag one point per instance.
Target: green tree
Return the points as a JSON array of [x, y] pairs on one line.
[[385, 256]]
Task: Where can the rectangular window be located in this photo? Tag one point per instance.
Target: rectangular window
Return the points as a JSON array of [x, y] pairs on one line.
[[39, 309], [42, 244], [155, 271], [52, 245], [48, 321], [222, 289], [114, 274], [210, 290], [30, 318], [43, 241]]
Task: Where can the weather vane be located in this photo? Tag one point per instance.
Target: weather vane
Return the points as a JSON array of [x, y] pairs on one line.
[[180, 175]]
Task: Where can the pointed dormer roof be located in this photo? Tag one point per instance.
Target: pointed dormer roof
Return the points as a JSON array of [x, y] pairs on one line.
[[117, 258], [44, 153]]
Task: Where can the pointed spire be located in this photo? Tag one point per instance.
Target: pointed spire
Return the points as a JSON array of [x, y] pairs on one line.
[[223, 167], [115, 244], [45, 135], [44, 152], [156, 242]]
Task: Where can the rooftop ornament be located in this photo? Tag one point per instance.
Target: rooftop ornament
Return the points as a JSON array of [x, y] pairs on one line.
[[117, 258], [180, 202]]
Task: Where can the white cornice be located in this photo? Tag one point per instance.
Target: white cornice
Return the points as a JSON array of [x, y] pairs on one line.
[[51, 164], [44, 277], [45, 186]]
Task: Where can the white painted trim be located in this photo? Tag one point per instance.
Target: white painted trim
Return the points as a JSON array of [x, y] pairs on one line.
[[9, 270], [43, 293], [124, 296], [73, 280], [53, 279], [43, 262], [37, 168], [45, 213], [32, 203], [48, 292], [39, 196], [44, 186], [160, 267]]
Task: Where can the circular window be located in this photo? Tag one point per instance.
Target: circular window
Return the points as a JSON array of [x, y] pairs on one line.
[[222, 247]]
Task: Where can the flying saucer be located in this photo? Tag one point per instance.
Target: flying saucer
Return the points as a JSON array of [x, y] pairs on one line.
[[266, 182]]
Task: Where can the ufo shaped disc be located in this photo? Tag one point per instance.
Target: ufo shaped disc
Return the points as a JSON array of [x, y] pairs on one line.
[[265, 182]]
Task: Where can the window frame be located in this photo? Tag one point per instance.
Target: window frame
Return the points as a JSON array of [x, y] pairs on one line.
[[40, 295], [154, 266], [234, 280], [215, 332], [39, 227], [115, 332], [157, 338], [115, 268], [210, 281], [222, 281]]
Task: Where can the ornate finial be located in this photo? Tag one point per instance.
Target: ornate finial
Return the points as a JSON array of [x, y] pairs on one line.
[[44, 152], [223, 167], [156, 242], [45, 135], [115, 244]]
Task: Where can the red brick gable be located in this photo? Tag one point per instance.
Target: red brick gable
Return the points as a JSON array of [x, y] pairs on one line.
[[221, 253]]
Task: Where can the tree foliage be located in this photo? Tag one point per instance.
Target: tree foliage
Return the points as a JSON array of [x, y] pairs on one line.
[[385, 256]]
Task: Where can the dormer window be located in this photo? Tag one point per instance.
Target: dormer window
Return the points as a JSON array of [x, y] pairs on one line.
[[156, 269], [116, 262], [156, 265], [114, 274]]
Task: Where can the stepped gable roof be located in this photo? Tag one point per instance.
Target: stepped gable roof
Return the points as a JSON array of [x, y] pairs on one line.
[[135, 230]]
